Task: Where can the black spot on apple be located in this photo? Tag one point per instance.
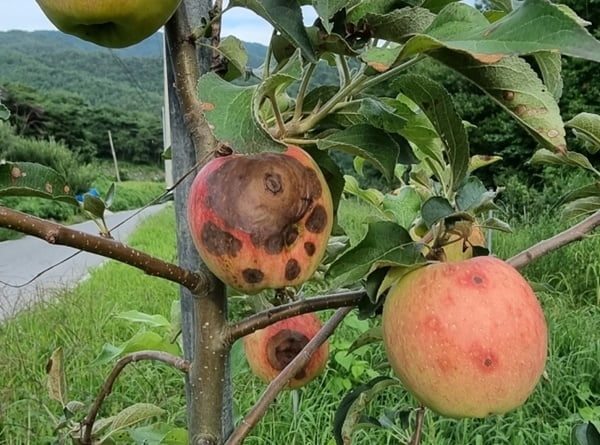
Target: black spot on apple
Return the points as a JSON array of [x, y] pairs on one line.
[[292, 270], [317, 221], [477, 279], [310, 248], [253, 276], [219, 242]]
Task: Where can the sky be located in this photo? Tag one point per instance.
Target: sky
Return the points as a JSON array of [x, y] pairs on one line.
[[26, 15]]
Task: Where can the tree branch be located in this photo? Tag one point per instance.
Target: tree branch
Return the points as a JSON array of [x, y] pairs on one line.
[[278, 383], [164, 357], [58, 234], [260, 320], [575, 233]]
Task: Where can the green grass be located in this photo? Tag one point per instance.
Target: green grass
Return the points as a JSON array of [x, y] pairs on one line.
[[81, 321]]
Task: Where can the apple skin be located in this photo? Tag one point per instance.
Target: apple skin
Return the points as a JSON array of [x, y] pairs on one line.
[[268, 350], [109, 23], [467, 338], [261, 221]]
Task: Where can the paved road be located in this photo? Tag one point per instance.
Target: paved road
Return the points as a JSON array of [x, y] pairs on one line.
[[21, 260]]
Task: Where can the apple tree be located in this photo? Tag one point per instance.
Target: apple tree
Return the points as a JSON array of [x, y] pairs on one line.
[[248, 132]]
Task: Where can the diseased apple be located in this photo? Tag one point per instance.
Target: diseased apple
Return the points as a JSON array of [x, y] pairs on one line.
[[467, 338], [261, 221], [269, 350], [109, 23]]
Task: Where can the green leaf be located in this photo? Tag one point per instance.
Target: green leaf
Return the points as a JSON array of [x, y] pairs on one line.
[[331, 171], [177, 436], [370, 336], [581, 192], [93, 205], [586, 127], [352, 406], [436, 5], [399, 24], [515, 86], [326, 9], [537, 25], [404, 204], [57, 382], [132, 415], [570, 158], [386, 243], [381, 115], [139, 342], [581, 207], [550, 66], [496, 224], [585, 434], [155, 320], [228, 108], [371, 196], [4, 112], [379, 148], [471, 194], [365, 7], [433, 99], [435, 209], [235, 52], [286, 17], [31, 179], [380, 59]]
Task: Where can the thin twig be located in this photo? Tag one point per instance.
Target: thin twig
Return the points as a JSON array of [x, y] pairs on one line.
[[61, 235], [576, 233], [272, 315], [169, 359], [278, 383], [416, 437]]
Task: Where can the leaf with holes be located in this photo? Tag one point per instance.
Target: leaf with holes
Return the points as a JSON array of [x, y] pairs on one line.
[[31, 179]]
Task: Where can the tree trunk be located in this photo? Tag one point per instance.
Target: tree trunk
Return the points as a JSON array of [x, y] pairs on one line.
[[208, 384]]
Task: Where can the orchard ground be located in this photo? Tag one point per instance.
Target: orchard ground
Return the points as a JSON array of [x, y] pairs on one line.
[[84, 319]]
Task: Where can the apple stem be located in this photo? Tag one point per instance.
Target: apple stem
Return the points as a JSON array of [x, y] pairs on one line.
[[278, 383]]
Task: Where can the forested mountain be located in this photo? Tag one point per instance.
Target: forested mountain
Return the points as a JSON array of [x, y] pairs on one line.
[[130, 78], [62, 88]]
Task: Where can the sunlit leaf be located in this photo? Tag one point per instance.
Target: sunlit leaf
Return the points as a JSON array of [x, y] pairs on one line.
[[155, 320], [236, 55]]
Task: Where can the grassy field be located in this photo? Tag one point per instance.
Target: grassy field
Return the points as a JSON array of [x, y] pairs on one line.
[[83, 320]]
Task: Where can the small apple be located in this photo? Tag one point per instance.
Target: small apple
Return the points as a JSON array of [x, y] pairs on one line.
[[109, 23], [269, 350], [466, 338]]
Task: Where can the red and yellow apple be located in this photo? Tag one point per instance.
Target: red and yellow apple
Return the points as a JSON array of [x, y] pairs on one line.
[[261, 221], [269, 350], [110, 23], [466, 338]]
